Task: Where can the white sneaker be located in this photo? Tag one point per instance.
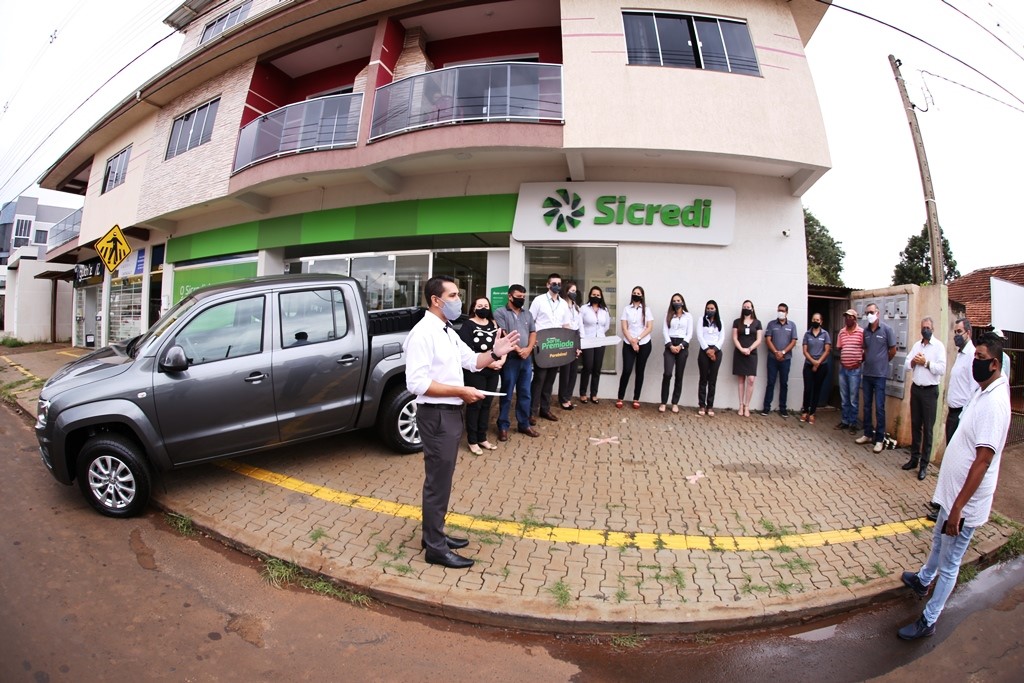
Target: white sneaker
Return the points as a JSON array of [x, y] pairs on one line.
[[878, 447], [863, 439]]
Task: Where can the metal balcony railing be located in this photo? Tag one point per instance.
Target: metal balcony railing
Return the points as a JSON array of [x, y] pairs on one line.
[[64, 231], [499, 91], [322, 123]]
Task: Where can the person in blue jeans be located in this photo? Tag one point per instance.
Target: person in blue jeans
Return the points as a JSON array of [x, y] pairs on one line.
[[850, 344], [780, 337], [879, 349], [966, 486], [517, 373]]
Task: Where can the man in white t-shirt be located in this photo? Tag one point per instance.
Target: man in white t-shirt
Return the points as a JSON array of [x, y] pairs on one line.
[[967, 483]]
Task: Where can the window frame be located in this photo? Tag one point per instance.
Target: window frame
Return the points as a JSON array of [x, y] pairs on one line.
[[340, 320], [22, 235], [116, 170], [174, 146], [182, 334], [229, 19], [698, 49]]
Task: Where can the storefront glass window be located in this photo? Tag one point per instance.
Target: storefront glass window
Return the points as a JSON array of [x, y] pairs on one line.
[[125, 309], [469, 268]]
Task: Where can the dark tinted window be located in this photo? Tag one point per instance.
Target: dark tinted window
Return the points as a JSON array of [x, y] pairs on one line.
[[227, 330], [312, 316], [689, 42]]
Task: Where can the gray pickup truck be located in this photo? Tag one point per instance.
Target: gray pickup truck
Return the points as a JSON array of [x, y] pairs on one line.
[[230, 370]]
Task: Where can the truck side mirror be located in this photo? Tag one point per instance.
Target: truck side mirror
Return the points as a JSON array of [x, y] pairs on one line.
[[174, 360]]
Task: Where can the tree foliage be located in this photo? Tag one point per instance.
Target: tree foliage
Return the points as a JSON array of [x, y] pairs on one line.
[[824, 255], [915, 266]]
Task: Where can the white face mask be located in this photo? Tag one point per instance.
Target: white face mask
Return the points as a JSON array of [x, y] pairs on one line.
[[872, 318], [782, 315]]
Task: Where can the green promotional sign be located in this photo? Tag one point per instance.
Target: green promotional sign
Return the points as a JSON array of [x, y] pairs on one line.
[[188, 280], [499, 297]]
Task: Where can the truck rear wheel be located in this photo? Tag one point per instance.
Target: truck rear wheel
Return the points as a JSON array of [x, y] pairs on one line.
[[114, 476], [396, 422]]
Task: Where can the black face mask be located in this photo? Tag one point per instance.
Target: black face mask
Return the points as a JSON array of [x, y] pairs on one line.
[[676, 306], [483, 313], [595, 301], [517, 303], [981, 370], [555, 287], [572, 296], [709, 314], [636, 298], [926, 334], [815, 325], [747, 311], [960, 341]]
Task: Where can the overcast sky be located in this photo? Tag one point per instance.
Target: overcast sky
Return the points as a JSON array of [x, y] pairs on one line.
[[871, 201]]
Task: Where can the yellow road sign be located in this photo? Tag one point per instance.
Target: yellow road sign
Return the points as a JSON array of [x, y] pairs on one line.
[[113, 248]]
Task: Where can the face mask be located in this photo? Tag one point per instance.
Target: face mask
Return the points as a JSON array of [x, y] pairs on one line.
[[710, 313], [872, 318], [636, 298], [452, 309], [782, 315], [926, 334], [960, 341], [555, 287], [747, 311], [981, 370], [595, 301], [676, 306], [483, 313], [572, 295], [517, 303], [815, 324]]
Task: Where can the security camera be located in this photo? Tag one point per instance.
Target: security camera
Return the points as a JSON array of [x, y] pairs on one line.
[[786, 232]]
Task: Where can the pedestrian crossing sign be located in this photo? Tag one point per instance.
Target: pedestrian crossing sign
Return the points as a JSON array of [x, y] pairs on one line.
[[113, 248]]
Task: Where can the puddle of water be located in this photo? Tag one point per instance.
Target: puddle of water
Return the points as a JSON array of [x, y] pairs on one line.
[[816, 634]]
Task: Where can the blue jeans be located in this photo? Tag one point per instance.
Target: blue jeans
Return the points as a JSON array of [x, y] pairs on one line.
[[944, 562], [780, 369], [874, 387], [849, 393], [516, 375]]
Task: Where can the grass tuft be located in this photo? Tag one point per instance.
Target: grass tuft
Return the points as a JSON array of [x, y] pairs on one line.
[[180, 523], [561, 592], [627, 642]]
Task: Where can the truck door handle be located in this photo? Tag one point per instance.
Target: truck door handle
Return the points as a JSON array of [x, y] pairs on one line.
[[347, 359], [256, 377]]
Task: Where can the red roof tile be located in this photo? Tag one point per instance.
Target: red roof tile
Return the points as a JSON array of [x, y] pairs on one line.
[[974, 292]]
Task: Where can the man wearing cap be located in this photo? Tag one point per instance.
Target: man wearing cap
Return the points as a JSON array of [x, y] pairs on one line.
[[879, 349], [927, 362], [850, 342]]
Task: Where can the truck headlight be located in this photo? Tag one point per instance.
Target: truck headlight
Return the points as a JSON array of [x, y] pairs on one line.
[[42, 410]]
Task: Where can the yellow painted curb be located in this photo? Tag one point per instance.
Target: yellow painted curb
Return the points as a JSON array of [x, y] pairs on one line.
[[616, 539]]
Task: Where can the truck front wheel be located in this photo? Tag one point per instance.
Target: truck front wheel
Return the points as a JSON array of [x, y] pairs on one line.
[[114, 476], [396, 422]]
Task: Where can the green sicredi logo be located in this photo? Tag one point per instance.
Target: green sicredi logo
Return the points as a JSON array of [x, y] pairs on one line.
[[563, 210], [555, 343]]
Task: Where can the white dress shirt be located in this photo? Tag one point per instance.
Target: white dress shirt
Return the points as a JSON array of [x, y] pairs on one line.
[[548, 313], [929, 374], [636, 321], [575, 323], [435, 353], [709, 335], [679, 327], [594, 324], [961, 379]]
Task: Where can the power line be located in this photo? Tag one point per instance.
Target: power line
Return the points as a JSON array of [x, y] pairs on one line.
[[922, 40], [967, 87], [975, 22]]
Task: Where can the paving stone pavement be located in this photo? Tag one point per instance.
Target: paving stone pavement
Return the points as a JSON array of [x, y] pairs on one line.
[[614, 520]]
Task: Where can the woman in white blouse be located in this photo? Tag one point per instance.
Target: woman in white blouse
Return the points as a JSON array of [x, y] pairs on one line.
[[637, 323], [567, 373], [678, 331], [710, 337], [595, 321]]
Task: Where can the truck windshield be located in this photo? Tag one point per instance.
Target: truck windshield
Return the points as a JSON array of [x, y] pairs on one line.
[[161, 325]]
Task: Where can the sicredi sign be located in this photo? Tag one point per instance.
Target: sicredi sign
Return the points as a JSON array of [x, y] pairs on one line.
[[625, 212]]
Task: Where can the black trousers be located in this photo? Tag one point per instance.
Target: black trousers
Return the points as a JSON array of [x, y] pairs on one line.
[[477, 413], [441, 430], [567, 380], [952, 421], [629, 359], [593, 360], [674, 363], [540, 390], [923, 401], [708, 378], [813, 381]]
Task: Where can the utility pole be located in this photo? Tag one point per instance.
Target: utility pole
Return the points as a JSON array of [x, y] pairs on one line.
[[934, 237]]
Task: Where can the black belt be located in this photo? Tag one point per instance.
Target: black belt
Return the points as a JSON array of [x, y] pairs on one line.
[[956, 410], [441, 406]]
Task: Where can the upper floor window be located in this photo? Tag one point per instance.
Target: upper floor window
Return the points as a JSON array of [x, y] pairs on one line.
[[225, 21], [117, 167], [693, 42], [22, 231], [39, 237], [192, 129]]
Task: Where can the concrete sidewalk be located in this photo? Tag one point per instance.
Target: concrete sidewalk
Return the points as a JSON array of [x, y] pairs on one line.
[[613, 521]]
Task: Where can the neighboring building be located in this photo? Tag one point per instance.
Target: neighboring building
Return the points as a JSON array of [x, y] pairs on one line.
[[497, 142], [31, 310], [974, 291]]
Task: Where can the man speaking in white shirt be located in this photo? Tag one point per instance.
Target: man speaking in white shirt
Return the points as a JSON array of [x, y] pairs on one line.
[[927, 361]]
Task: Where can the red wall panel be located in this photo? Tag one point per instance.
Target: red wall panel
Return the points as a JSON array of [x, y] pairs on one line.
[[268, 91], [332, 77], [547, 42]]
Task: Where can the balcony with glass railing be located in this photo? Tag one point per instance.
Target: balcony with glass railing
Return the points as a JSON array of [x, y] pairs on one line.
[[477, 93], [66, 230], [317, 124]]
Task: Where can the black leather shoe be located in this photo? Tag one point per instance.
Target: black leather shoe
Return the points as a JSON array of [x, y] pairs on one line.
[[502, 435], [548, 415], [841, 426], [932, 516], [450, 559], [923, 472], [919, 629], [911, 581], [912, 463], [933, 505], [529, 431], [453, 543]]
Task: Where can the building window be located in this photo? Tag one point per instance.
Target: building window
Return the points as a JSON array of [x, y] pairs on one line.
[[39, 237], [690, 42], [225, 21], [117, 167], [192, 129], [22, 231]]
